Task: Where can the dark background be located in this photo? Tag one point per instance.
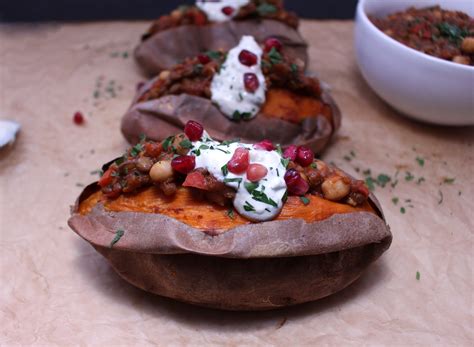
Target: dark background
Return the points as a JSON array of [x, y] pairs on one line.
[[80, 10]]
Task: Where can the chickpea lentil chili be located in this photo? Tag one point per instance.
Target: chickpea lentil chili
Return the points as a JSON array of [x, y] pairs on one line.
[[192, 15], [194, 76], [172, 163], [444, 34]]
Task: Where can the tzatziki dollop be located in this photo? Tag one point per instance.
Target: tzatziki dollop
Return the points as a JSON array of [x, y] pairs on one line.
[[256, 201], [229, 90], [221, 11]]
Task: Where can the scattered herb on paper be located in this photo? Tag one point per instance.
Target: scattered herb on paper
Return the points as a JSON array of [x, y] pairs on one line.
[[418, 276], [118, 235], [304, 200]]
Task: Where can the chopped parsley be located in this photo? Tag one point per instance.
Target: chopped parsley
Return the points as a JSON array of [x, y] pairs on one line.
[[248, 207], [383, 179], [402, 210], [275, 56], [230, 213], [214, 54], [186, 144], [168, 143], [118, 235], [223, 150], [262, 197], [452, 32], [409, 177], [135, 151], [395, 200], [420, 161], [228, 142], [294, 68], [285, 197], [369, 181], [266, 9], [225, 170], [285, 162], [233, 180], [418, 276], [237, 115], [304, 200], [250, 186], [448, 180], [204, 147]]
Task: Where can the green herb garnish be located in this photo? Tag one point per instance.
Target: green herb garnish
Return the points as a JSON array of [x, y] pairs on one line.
[[214, 54], [452, 32], [248, 207], [448, 180], [409, 177], [167, 143], [186, 144], [383, 179], [294, 68], [250, 186], [275, 56], [402, 210], [135, 151], [418, 276], [395, 200], [225, 170], [304, 200], [233, 180], [285, 197], [223, 150], [237, 115], [266, 9], [228, 142], [262, 197], [369, 181], [285, 162], [420, 180], [230, 213], [420, 161], [118, 235]]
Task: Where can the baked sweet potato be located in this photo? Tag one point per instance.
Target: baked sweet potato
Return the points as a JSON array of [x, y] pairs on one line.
[[187, 247], [180, 35], [298, 109]]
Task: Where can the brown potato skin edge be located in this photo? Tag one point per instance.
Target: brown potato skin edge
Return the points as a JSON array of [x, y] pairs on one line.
[[168, 48], [253, 267]]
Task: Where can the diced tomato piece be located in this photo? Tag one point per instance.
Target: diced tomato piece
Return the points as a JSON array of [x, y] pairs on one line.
[[195, 179]]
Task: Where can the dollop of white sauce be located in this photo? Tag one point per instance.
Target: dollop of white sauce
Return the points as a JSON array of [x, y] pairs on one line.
[[8, 131], [228, 88], [213, 9], [214, 156]]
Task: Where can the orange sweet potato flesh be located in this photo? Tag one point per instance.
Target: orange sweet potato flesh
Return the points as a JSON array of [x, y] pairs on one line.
[[200, 214], [286, 105]]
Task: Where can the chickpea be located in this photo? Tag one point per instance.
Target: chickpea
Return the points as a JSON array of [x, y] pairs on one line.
[[161, 171], [468, 45], [164, 75], [462, 59], [335, 188]]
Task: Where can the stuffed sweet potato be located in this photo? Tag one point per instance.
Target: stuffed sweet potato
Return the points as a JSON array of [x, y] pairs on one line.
[[219, 25], [231, 225], [250, 92]]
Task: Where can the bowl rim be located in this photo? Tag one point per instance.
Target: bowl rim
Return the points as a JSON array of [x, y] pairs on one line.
[[449, 64]]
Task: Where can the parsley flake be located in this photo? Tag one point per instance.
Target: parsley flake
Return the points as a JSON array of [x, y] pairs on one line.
[[249, 207], [118, 235], [305, 200], [225, 170], [186, 144]]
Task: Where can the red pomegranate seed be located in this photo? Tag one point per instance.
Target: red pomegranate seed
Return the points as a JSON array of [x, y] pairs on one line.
[[305, 156], [184, 164], [273, 43], [256, 172], [193, 130], [265, 145], [228, 10], [251, 82], [247, 58], [291, 152], [295, 183], [239, 162], [204, 59], [78, 118]]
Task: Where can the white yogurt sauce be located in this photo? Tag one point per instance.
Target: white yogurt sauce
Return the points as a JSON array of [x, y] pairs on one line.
[[213, 9], [228, 89], [8, 131], [213, 156]]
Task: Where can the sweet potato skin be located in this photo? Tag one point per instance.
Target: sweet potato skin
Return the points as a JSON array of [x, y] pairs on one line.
[[166, 49], [250, 267]]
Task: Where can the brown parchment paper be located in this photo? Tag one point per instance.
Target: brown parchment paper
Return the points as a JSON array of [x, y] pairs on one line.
[[168, 48], [56, 289]]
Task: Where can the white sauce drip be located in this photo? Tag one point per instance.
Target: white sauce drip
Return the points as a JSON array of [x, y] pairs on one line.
[[214, 155], [213, 9], [8, 131], [228, 89]]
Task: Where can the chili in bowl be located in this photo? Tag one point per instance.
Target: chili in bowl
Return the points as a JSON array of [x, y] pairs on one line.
[[418, 57]]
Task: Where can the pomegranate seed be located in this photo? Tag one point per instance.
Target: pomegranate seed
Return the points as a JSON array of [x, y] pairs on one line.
[[295, 183], [265, 145], [256, 172], [228, 10], [291, 152], [247, 58], [239, 162], [204, 59], [251, 82], [193, 130], [184, 164], [78, 118], [305, 156], [273, 43]]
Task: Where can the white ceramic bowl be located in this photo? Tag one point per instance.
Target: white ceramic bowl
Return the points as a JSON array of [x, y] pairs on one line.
[[418, 85]]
